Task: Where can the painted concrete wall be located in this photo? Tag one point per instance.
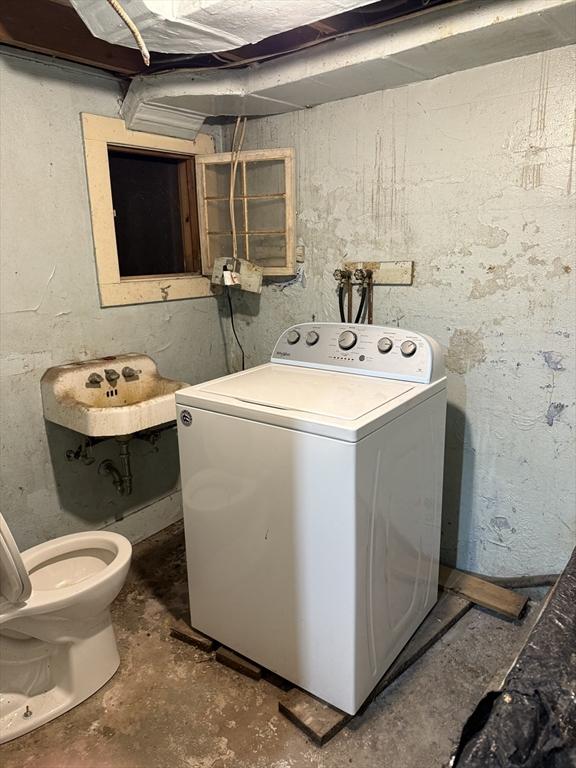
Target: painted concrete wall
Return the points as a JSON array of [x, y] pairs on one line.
[[51, 314], [472, 176]]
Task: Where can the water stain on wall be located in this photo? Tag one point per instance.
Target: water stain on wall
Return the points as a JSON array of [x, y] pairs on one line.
[[532, 176], [535, 154], [465, 351]]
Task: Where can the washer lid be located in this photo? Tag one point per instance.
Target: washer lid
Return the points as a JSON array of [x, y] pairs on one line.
[[15, 586], [322, 393]]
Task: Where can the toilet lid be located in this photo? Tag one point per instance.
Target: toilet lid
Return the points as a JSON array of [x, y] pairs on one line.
[[15, 586]]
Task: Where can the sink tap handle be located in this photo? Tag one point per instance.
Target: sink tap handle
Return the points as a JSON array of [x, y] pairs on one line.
[[94, 380], [112, 376], [129, 373]]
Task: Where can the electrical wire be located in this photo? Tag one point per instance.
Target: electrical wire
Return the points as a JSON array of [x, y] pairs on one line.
[[362, 303], [237, 142], [231, 207], [233, 325], [234, 160], [133, 29]]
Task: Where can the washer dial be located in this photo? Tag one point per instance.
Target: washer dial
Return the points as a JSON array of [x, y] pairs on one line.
[[347, 339], [312, 338], [293, 337], [384, 345], [408, 348]]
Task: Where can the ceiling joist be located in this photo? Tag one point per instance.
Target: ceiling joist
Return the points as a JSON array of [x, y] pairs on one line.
[[53, 27], [57, 30]]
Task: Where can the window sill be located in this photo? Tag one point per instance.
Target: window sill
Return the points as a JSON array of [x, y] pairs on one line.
[[144, 290]]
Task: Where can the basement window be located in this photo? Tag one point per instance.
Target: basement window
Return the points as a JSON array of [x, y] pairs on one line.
[[142, 191], [161, 211], [264, 205], [155, 212]]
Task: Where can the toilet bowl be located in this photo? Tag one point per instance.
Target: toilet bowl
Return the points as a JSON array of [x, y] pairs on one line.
[[57, 644]]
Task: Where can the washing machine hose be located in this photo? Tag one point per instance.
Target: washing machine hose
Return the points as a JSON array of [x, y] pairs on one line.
[[361, 307], [341, 302]]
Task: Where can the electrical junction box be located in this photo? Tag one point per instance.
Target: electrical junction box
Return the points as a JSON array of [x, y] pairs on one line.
[[237, 272]]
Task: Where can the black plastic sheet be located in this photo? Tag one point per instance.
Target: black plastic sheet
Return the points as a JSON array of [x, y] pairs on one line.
[[531, 721]]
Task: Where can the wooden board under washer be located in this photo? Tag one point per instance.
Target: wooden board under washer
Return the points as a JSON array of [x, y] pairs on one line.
[[238, 663], [482, 592], [184, 632]]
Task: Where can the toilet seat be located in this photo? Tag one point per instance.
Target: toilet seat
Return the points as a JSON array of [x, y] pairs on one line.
[[39, 599], [15, 584]]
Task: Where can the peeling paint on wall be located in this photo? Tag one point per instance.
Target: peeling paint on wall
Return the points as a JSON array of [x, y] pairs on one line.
[[51, 314], [465, 351], [467, 176], [554, 410], [553, 360]]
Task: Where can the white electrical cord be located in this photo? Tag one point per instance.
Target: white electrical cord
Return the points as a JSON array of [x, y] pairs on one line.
[[231, 189], [133, 29], [234, 160]]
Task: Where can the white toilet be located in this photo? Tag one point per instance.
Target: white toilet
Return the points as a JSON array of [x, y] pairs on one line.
[[57, 644]]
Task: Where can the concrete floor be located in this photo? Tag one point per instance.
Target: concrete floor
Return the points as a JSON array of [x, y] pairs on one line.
[[171, 706]]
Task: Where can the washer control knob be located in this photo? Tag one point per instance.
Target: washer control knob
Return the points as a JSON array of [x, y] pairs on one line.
[[347, 339], [384, 345], [408, 348], [312, 338], [293, 337]]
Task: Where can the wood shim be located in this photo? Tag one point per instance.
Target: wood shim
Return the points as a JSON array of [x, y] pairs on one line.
[[238, 663], [482, 592], [182, 631], [320, 722]]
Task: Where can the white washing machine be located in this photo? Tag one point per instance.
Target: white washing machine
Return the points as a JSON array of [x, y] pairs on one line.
[[312, 489]]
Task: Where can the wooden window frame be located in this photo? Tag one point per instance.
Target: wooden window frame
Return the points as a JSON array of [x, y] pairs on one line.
[[289, 195], [101, 134], [188, 204]]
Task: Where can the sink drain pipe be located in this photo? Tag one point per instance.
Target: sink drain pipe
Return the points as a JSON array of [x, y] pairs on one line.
[[122, 479]]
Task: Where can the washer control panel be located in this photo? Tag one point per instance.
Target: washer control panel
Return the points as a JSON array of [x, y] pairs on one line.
[[371, 350]]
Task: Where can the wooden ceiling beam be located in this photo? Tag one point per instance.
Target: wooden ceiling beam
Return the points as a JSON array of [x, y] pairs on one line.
[[228, 55], [43, 27], [321, 26], [54, 28]]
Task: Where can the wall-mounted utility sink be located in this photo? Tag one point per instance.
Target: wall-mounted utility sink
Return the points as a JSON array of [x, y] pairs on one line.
[[116, 395]]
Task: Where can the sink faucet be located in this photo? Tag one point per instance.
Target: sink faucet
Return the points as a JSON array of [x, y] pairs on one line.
[[112, 376], [94, 380], [130, 373]]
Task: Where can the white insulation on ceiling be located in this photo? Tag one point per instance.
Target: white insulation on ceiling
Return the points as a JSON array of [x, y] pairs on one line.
[[417, 48], [204, 26]]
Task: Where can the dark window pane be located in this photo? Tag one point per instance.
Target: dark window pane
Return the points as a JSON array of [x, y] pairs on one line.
[[268, 250], [147, 213]]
